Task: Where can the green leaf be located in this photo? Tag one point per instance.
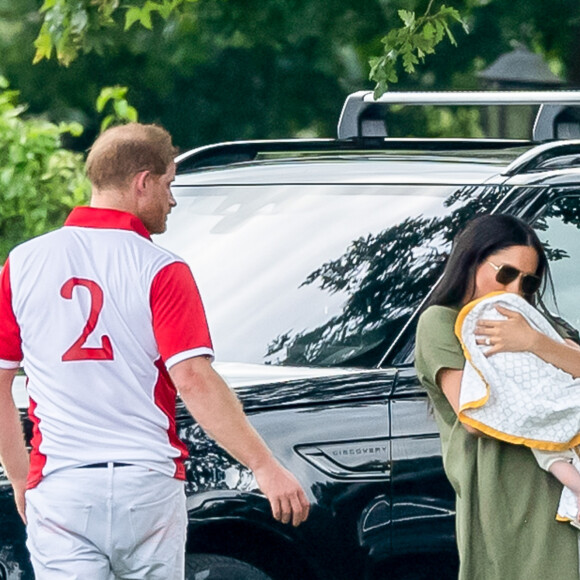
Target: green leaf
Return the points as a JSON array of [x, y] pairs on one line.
[[146, 20], [107, 122], [43, 45], [428, 31], [66, 52], [121, 107], [407, 17], [47, 5], [165, 10], [74, 128], [439, 31], [79, 22], [409, 62], [122, 112], [102, 101], [133, 15], [450, 35], [132, 114]]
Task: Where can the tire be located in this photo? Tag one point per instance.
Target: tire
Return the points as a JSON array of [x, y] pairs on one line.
[[211, 567]]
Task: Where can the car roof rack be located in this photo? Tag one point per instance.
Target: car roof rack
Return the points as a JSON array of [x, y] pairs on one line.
[[223, 154], [558, 117]]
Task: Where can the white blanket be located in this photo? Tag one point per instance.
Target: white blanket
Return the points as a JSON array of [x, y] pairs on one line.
[[516, 396]]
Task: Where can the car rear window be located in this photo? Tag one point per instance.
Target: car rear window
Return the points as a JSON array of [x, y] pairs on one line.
[[315, 275]]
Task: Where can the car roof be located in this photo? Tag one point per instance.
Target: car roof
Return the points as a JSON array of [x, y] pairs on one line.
[[347, 171], [410, 161]]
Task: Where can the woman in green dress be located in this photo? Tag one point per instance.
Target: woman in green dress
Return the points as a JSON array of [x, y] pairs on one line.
[[505, 524]]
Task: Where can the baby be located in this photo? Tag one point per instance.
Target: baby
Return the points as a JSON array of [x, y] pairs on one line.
[[519, 398]]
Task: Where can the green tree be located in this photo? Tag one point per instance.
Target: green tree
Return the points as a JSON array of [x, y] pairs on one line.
[[235, 69], [219, 70], [71, 25], [39, 180], [216, 70]]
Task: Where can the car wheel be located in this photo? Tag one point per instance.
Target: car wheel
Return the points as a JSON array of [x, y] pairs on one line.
[[211, 567]]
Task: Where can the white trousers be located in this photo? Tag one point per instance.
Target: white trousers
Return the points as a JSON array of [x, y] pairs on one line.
[[107, 523]]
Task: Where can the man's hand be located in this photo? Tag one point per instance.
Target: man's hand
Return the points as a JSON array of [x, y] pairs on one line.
[[13, 453], [219, 413], [19, 491], [286, 496]]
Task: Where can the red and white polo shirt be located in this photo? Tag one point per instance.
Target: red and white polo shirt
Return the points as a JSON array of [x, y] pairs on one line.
[[96, 312]]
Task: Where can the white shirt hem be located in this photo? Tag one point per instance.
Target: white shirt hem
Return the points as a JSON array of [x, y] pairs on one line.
[[9, 364], [181, 356]]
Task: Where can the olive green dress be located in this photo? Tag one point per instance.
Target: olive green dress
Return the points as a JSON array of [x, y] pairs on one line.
[[505, 503]]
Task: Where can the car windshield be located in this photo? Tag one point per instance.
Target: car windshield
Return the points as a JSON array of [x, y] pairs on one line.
[[314, 275]]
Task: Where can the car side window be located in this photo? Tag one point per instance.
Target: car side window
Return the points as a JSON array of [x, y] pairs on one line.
[[559, 230], [558, 227]]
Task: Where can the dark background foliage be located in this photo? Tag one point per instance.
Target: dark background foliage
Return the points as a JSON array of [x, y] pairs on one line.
[[244, 69]]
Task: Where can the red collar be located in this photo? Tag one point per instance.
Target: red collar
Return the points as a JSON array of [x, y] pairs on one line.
[[96, 217]]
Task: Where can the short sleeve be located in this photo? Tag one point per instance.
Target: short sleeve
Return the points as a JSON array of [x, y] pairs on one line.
[[436, 346], [546, 459], [179, 320], [10, 341]]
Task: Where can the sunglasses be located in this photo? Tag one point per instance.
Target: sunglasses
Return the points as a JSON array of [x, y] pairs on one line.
[[507, 274]]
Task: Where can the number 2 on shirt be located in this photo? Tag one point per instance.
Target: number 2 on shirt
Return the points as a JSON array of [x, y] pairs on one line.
[[78, 351]]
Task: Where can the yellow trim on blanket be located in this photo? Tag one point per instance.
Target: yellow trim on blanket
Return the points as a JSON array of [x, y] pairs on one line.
[[490, 431], [457, 329], [468, 308], [534, 443]]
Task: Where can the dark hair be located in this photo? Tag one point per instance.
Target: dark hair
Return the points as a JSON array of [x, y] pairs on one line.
[[482, 237]]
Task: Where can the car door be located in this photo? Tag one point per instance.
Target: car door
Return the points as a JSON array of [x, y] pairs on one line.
[[422, 500]]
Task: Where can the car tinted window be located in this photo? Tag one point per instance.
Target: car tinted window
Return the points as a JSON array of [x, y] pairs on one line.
[[314, 275], [559, 231]]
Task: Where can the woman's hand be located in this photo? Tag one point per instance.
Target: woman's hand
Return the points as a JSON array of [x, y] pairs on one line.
[[514, 334]]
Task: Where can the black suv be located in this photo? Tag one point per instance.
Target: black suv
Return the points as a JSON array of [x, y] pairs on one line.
[[313, 258]]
